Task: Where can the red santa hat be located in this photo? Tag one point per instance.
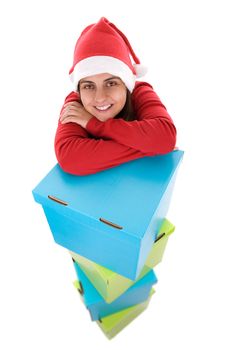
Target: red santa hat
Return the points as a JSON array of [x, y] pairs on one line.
[[103, 48]]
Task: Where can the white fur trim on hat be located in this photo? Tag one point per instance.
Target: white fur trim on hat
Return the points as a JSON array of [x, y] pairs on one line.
[[140, 69], [103, 64]]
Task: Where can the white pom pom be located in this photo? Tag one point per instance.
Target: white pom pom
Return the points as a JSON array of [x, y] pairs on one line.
[[140, 70]]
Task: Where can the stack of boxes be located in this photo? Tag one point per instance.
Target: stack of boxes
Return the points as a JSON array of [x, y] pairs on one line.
[[114, 225]]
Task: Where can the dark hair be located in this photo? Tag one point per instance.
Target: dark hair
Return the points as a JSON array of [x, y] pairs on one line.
[[126, 113]]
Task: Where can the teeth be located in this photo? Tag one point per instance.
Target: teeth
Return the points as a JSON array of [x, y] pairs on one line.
[[102, 108]]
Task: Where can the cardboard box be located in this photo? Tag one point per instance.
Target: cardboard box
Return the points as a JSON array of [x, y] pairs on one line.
[[111, 285], [111, 217], [113, 324], [97, 306]]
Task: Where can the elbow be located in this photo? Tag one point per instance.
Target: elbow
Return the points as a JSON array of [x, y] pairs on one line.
[[71, 166], [169, 140], [65, 162], [64, 157], [67, 167], [165, 143], [168, 145], [72, 169]]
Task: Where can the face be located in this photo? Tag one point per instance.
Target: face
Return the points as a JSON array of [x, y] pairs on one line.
[[103, 95]]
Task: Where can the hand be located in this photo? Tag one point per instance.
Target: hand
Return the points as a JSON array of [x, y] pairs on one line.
[[74, 112]]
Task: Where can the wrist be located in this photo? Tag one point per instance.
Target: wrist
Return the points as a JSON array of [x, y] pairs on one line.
[[86, 121]]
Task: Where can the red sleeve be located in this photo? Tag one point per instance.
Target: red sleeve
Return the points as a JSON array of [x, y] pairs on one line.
[[79, 153], [153, 132]]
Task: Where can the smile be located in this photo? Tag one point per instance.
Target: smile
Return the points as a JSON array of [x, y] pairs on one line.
[[103, 108]]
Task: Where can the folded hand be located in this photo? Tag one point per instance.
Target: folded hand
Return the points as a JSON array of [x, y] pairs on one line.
[[74, 112]]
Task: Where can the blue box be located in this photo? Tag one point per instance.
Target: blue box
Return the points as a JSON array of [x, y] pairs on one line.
[[111, 217], [113, 324], [111, 285], [97, 306]]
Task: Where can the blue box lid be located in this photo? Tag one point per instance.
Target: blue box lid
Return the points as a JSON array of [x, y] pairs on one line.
[[126, 195]]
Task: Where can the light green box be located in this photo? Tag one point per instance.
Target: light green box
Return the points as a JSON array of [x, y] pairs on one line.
[[111, 325], [111, 285]]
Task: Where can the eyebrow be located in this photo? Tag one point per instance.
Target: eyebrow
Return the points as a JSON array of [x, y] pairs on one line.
[[89, 81], [113, 77]]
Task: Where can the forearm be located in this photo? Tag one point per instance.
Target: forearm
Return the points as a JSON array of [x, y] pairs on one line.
[[79, 154], [157, 135]]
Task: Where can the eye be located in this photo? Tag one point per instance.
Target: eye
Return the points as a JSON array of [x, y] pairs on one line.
[[87, 86], [111, 83]]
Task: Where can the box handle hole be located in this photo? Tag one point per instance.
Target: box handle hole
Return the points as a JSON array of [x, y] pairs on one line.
[[110, 223], [55, 199], [80, 289], [159, 237]]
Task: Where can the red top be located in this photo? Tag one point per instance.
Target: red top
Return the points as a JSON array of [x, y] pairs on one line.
[[103, 145]]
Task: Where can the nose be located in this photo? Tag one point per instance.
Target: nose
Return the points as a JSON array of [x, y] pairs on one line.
[[100, 95]]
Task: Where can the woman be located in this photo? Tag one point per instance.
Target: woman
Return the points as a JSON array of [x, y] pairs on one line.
[[110, 118]]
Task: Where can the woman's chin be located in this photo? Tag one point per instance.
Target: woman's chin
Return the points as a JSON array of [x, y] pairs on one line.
[[104, 116], [102, 119]]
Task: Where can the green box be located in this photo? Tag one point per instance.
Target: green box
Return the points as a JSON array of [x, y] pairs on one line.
[[111, 325], [111, 285]]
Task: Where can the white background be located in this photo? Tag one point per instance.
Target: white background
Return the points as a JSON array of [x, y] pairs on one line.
[[187, 46]]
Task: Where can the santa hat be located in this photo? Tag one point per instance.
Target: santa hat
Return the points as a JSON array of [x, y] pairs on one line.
[[103, 48]]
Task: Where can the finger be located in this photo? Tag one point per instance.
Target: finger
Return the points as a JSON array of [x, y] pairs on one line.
[[70, 113], [67, 120], [70, 110], [73, 103], [65, 114]]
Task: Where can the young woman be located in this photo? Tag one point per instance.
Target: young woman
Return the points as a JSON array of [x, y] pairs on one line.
[[109, 118]]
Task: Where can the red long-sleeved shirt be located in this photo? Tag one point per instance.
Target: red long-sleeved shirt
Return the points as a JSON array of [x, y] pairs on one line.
[[107, 144]]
